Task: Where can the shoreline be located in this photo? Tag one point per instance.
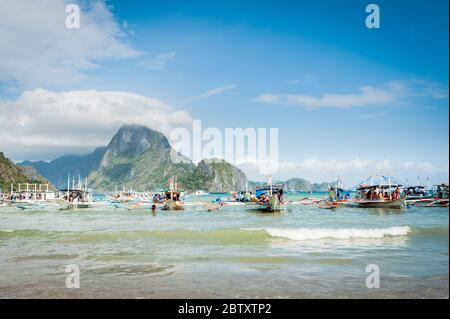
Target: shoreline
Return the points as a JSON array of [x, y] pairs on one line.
[[433, 287]]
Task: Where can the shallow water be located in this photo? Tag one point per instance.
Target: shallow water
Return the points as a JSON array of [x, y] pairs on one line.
[[304, 252]]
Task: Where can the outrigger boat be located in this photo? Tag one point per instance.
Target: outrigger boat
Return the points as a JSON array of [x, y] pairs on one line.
[[27, 193], [416, 192], [384, 194], [173, 202], [270, 197], [417, 196], [75, 197], [28, 196], [441, 197], [337, 195]]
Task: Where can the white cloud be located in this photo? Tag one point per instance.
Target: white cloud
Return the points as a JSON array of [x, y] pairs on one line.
[[368, 166], [423, 167], [78, 119], [392, 92], [158, 62], [316, 164], [214, 91], [37, 48], [368, 95], [352, 171]]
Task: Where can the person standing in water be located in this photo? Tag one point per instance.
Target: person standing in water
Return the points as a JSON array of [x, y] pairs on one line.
[[154, 209]]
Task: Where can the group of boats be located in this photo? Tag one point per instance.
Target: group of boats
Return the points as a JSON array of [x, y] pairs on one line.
[[34, 196], [388, 192], [374, 192]]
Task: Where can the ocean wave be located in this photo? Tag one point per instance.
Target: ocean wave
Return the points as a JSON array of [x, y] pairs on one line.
[[221, 236], [430, 232], [229, 236], [6, 233], [342, 233]]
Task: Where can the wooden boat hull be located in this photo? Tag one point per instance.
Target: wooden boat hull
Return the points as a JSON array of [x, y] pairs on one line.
[[396, 204], [272, 206], [171, 205], [428, 202]]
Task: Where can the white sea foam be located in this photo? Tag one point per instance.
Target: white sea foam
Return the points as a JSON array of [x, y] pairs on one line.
[[342, 233]]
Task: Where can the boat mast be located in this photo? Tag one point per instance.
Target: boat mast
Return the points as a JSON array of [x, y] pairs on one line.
[[389, 181], [68, 186], [270, 185]]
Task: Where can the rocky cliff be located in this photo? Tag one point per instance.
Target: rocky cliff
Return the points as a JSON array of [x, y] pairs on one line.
[[220, 176], [11, 173]]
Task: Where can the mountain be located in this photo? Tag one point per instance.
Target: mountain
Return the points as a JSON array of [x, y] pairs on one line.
[[140, 158], [57, 170], [219, 176], [11, 173], [321, 187], [298, 185]]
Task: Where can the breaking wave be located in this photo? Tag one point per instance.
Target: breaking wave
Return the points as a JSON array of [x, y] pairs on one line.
[[343, 233]]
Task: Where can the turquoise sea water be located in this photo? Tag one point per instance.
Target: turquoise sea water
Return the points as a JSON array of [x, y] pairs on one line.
[[235, 252]]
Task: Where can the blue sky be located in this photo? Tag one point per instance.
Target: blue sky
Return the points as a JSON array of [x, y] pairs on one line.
[[339, 93]]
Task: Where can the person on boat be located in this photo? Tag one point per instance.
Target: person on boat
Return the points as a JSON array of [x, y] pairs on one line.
[[332, 195], [263, 199], [376, 194], [396, 194], [280, 195]]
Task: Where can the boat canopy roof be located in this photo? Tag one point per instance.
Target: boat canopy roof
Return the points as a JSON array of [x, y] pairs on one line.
[[379, 181], [362, 187], [73, 190], [268, 187]]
